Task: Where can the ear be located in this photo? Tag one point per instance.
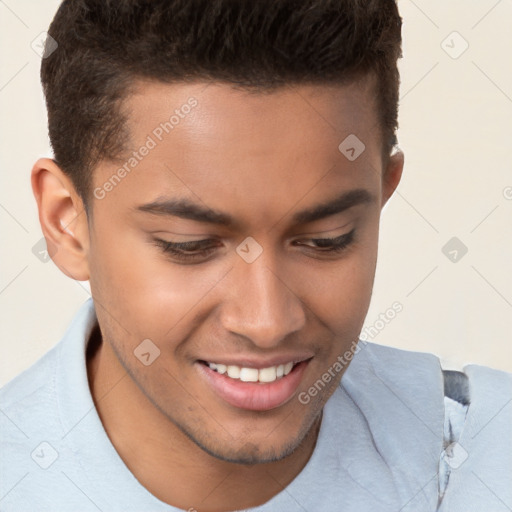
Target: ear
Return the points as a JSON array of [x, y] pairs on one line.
[[63, 219], [391, 176]]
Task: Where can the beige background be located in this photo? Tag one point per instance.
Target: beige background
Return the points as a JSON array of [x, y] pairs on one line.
[[455, 130]]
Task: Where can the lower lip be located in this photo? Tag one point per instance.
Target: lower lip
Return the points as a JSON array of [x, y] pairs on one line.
[[254, 396]]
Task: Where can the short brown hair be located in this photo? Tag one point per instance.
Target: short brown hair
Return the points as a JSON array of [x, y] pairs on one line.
[[105, 45]]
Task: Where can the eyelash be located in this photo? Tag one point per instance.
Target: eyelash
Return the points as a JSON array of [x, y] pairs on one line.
[[335, 246]]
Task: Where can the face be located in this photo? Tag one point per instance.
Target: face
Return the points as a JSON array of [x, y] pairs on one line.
[[244, 237]]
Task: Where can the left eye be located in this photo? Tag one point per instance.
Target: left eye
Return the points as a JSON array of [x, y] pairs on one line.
[[202, 248], [337, 244]]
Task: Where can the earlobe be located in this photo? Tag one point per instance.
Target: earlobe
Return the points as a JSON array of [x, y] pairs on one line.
[[63, 219], [392, 175]]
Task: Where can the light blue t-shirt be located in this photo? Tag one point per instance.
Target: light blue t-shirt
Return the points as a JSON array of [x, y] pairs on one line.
[[398, 434]]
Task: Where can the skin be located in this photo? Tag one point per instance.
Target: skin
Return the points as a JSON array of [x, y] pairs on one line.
[[260, 158]]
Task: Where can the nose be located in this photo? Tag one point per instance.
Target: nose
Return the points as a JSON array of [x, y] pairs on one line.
[[263, 306]]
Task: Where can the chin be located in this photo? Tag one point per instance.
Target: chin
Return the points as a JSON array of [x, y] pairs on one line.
[[250, 454], [270, 447]]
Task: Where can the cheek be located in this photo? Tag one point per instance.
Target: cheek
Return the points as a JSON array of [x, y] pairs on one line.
[[341, 296], [346, 284], [144, 288]]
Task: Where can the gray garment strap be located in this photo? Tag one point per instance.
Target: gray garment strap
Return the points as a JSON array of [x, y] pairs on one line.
[[456, 386], [456, 403]]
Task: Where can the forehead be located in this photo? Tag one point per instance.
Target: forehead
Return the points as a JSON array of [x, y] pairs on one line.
[[230, 148], [223, 111]]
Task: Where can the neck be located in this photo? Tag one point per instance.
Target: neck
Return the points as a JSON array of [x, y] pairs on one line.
[[153, 447]]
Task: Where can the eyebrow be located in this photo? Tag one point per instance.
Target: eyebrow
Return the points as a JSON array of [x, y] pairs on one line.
[[187, 209]]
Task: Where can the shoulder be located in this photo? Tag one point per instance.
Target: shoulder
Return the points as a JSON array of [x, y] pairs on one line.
[[489, 379], [30, 401], [470, 411], [28, 415], [30, 394], [394, 365], [458, 385], [419, 379], [396, 357], [476, 465]]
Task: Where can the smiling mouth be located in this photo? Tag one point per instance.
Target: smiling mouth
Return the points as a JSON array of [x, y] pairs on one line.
[[256, 389], [246, 374]]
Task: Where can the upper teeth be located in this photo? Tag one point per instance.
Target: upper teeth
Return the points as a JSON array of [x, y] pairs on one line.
[[269, 374]]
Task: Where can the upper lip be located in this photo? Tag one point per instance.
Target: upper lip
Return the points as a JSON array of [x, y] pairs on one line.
[[259, 363]]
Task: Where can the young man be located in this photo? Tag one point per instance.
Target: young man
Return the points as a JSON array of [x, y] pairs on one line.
[[220, 168]]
